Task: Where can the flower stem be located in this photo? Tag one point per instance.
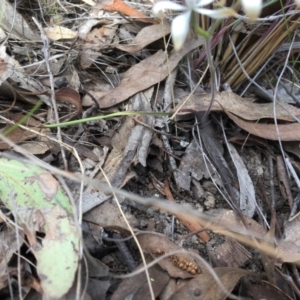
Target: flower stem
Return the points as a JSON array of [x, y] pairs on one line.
[[207, 37], [197, 28]]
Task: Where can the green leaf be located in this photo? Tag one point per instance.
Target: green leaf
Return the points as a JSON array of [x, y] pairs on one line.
[[39, 205]]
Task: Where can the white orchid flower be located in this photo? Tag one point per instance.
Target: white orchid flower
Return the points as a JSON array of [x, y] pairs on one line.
[[181, 23], [252, 8]]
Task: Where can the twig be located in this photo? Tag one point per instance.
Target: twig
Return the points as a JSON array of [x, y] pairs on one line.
[[46, 51]]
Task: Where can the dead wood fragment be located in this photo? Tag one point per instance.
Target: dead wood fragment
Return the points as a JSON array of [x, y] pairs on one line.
[[229, 254], [284, 184]]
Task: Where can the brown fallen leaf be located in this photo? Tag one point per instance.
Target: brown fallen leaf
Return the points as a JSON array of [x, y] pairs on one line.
[[242, 107], [19, 135], [173, 286], [265, 290], [145, 37], [147, 73], [287, 132], [69, 95], [205, 285]]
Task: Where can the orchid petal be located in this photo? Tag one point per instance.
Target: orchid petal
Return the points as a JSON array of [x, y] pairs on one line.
[[204, 2], [165, 5], [217, 13], [180, 29], [252, 8], [197, 3]]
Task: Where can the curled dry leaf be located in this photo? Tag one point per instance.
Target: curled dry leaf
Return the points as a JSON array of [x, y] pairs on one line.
[[70, 96], [56, 33]]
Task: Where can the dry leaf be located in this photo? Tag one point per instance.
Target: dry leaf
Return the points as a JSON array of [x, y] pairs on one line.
[[247, 191], [288, 249], [35, 147], [241, 107], [145, 37], [56, 33], [265, 290], [70, 96], [205, 285], [287, 132], [13, 22], [231, 221], [18, 134], [239, 110], [147, 73], [192, 165]]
